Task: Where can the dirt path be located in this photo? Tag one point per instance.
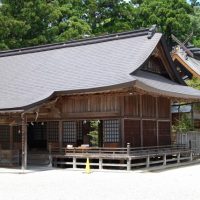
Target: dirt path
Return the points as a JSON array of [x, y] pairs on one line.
[[61, 184]]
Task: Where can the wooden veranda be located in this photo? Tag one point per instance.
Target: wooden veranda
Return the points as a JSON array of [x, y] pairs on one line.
[[122, 158]]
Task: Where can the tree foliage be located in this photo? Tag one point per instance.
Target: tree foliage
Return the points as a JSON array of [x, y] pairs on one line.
[[40, 22], [172, 17], [195, 22], [194, 3], [195, 83], [33, 22], [109, 16]]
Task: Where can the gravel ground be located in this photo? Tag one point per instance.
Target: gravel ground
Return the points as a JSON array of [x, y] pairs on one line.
[[63, 184]]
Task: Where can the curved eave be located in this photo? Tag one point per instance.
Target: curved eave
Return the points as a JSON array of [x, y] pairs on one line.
[[170, 94], [70, 92]]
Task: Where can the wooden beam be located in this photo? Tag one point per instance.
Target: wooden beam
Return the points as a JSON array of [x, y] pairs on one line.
[[95, 115]]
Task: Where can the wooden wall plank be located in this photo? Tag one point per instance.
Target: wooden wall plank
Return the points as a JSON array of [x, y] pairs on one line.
[[132, 133], [149, 133], [164, 133], [148, 106]]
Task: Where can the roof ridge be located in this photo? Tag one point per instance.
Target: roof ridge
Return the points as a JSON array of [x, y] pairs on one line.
[[73, 43]]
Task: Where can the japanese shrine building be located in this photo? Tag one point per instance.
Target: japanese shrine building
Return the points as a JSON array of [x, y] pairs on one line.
[[126, 81]]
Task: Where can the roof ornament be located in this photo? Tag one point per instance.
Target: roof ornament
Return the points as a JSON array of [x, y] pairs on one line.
[[152, 31], [182, 44]]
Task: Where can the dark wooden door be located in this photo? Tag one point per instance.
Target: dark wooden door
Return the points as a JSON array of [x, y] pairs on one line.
[[149, 133], [132, 133], [37, 136]]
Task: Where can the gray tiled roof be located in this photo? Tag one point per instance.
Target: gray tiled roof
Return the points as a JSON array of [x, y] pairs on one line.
[[27, 78], [159, 84]]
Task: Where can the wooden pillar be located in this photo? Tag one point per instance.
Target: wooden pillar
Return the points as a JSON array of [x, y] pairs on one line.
[[122, 121], [157, 123], [178, 157], [148, 161], [164, 159], [128, 158], [128, 164], [100, 163], [11, 137], [141, 122], [60, 136], [74, 162], [191, 155], [24, 142], [122, 131]]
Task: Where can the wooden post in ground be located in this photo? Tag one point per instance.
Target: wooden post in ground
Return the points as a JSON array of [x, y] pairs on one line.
[[128, 164], [24, 142], [148, 161], [74, 162], [164, 159], [128, 149], [100, 163], [191, 157]]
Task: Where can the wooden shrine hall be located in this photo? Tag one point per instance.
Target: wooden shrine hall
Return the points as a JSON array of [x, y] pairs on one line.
[[51, 95]]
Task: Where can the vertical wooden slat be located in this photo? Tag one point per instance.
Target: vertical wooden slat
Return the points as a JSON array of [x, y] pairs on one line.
[[132, 132]]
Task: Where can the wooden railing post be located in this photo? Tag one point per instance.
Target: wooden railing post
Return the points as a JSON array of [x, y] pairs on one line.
[[148, 161], [50, 154], [100, 163], [74, 162], [178, 157], [128, 164], [128, 149], [191, 156], [164, 159]]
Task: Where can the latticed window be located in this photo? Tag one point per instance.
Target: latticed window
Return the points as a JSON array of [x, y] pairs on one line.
[[53, 131], [111, 131], [17, 134], [79, 130], [69, 132], [4, 133]]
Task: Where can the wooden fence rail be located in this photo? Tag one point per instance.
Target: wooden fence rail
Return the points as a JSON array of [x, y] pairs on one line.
[[123, 158]]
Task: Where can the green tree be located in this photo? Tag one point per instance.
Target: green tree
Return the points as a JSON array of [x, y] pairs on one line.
[[194, 3], [37, 22], [195, 23], [195, 83], [109, 16], [94, 133], [183, 125], [171, 16]]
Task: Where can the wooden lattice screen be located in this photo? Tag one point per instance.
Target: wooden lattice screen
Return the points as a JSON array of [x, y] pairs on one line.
[[53, 131], [17, 134], [69, 132], [111, 131], [5, 136]]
